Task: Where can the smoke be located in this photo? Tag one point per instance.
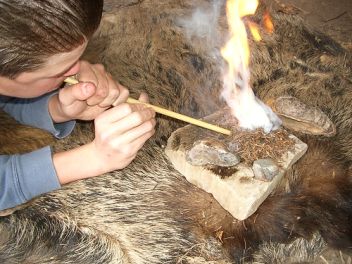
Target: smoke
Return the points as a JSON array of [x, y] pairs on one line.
[[203, 22], [250, 112], [200, 28], [203, 25]]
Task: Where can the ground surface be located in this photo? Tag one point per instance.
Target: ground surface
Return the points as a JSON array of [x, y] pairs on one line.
[[333, 17]]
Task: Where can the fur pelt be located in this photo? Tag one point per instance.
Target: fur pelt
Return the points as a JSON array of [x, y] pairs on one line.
[[148, 212]]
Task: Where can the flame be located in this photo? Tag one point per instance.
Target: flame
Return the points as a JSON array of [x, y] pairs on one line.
[[268, 24], [250, 112], [254, 31]]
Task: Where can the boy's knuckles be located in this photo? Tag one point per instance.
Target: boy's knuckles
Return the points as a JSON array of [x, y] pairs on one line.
[[126, 109], [100, 67], [152, 113], [127, 151], [103, 91], [102, 122], [113, 95], [139, 117], [104, 137], [151, 133], [136, 118], [122, 88], [148, 125]]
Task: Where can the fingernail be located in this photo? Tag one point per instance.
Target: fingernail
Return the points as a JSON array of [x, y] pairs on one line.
[[87, 88]]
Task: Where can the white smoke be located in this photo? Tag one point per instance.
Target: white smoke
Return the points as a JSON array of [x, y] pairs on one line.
[[250, 112], [203, 22]]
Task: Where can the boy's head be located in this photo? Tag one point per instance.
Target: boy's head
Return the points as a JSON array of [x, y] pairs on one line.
[[32, 31]]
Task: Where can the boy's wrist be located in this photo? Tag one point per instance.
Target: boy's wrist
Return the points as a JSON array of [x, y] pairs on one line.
[[90, 157], [76, 164]]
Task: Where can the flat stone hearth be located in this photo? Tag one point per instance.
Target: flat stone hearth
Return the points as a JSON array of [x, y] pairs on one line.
[[241, 170]]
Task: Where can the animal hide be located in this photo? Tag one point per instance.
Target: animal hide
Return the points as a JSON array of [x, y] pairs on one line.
[[148, 212]]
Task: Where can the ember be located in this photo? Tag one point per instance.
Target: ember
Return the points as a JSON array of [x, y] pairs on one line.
[[249, 145], [259, 145]]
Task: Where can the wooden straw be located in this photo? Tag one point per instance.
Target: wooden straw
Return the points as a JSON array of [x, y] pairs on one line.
[[71, 80]]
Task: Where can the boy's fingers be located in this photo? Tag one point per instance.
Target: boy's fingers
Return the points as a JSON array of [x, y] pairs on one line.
[[117, 113], [113, 92], [137, 132], [123, 95], [78, 92], [144, 97], [95, 74], [88, 73], [133, 120], [102, 90], [135, 143]]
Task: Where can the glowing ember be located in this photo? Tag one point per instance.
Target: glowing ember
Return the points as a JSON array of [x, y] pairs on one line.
[[250, 112], [268, 24], [254, 31]]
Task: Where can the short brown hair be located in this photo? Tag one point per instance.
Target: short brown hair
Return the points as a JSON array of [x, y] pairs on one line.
[[33, 30]]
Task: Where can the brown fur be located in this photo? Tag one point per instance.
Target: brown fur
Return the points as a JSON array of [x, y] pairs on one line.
[[16, 138], [148, 213]]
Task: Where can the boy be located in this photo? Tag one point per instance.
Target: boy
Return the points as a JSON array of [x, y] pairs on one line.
[[40, 45]]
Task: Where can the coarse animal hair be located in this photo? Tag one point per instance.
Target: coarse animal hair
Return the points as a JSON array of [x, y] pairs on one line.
[[148, 212]]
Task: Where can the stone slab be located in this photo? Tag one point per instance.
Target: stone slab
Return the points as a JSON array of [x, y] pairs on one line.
[[240, 193]]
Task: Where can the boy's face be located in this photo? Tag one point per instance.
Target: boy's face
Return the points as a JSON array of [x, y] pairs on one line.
[[46, 79]]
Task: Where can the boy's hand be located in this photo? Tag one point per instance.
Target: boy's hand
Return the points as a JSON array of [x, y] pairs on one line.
[[119, 133], [95, 93]]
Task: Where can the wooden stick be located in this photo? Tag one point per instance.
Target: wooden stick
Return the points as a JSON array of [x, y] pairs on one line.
[[71, 80]]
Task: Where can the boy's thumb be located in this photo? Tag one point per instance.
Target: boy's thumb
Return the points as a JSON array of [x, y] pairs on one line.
[[77, 92]]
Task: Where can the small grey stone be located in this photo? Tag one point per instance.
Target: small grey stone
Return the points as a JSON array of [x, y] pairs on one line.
[[234, 147], [211, 152], [265, 169]]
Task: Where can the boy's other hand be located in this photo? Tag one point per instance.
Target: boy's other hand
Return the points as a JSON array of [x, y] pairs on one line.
[[119, 133], [95, 93]]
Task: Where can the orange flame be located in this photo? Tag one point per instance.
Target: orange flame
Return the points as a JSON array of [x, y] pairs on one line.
[[238, 44], [254, 31], [268, 23], [250, 112]]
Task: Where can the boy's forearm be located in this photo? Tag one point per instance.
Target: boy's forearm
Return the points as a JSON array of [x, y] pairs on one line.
[[76, 164], [26, 176]]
